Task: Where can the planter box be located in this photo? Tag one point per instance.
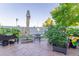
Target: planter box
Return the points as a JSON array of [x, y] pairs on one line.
[[26, 41], [60, 49], [4, 42]]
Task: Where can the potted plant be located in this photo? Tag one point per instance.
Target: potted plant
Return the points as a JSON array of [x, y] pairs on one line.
[[57, 38]]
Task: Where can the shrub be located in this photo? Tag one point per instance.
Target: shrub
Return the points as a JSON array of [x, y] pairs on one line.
[[57, 36], [73, 31]]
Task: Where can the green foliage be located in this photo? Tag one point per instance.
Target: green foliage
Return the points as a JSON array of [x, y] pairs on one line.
[[10, 31], [73, 31], [66, 14], [5, 31], [57, 36], [16, 31]]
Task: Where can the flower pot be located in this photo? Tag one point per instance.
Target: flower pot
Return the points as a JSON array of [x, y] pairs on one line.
[[60, 49]]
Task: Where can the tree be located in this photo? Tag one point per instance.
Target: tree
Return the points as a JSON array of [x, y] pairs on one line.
[[66, 14], [48, 22]]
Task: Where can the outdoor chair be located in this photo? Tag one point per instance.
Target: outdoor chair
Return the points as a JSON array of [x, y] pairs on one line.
[[37, 37]]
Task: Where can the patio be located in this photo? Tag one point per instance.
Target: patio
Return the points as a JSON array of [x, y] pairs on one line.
[[33, 49]]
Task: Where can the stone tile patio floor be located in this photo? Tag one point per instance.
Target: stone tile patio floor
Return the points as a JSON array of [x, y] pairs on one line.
[[34, 49]]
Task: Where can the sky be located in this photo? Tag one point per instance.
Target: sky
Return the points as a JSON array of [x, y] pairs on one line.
[[39, 13]]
